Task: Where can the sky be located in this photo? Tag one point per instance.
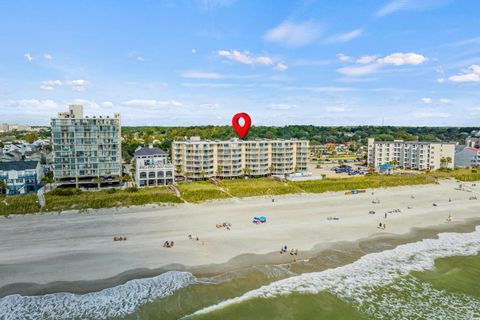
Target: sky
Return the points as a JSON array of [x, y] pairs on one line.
[[199, 62]]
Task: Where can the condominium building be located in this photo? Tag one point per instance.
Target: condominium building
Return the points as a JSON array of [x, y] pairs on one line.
[[152, 167], [467, 157], [411, 154], [86, 149], [20, 177], [199, 159]]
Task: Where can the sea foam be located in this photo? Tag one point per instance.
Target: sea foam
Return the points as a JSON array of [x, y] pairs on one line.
[[112, 302], [357, 282]]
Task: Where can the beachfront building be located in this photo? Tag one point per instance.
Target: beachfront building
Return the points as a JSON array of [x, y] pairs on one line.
[[467, 157], [86, 150], [416, 155], [152, 167], [201, 159], [20, 177]]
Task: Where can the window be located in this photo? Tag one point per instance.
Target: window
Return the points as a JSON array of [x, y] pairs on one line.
[[143, 175]]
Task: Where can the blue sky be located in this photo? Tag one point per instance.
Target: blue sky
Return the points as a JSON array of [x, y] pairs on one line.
[[197, 62]]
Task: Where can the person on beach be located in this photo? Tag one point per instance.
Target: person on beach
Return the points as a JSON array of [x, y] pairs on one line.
[[384, 226], [449, 217], [379, 225], [385, 215]]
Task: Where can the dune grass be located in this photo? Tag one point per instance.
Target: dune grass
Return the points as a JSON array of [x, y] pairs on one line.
[[200, 191], [87, 200], [258, 187], [365, 182]]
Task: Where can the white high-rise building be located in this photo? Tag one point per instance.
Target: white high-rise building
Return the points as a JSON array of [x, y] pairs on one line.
[[411, 154], [86, 149], [200, 159]]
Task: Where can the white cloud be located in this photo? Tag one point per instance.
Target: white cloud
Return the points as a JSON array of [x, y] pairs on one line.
[[345, 37], [194, 50], [47, 56], [77, 85], [211, 4], [281, 67], [441, 80], [282, 106], [31, 103], [431, 114], [107, 104], [404, 5], [427, 100], [246, 57], [445, 100], [135, 56], [343, 57], [366, 59], [28, 56], [400, 58], [372, 63], [359, 70], [472, 74], [335, 109], [151, 103], [293, 34]]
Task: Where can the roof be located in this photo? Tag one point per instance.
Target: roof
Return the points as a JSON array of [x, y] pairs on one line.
[[473, 149], [18, 165], [149, 152]]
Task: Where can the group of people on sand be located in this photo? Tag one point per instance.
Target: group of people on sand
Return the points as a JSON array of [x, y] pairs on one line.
[[119, 238], [190, 237], [225, 225], [168, 244], [382, 226], [293, 252]]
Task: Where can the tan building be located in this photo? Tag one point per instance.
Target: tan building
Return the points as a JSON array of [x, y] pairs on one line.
[[417, 155], [200, 159]]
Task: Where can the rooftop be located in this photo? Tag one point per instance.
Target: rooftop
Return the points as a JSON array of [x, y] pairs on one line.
[[18, 165], [149, 151]]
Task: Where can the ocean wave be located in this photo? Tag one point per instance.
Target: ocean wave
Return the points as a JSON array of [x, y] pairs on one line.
[[112, 302], [357, 281]]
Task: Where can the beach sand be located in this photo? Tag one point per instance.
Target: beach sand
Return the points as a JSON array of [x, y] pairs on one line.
[[50, 249]]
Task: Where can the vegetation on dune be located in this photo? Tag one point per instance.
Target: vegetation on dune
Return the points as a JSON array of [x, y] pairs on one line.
[[258, 187], [200, 191], [365, 182], [74, 199]]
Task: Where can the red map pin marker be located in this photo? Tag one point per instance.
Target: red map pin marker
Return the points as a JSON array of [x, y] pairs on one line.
[[242, 131]]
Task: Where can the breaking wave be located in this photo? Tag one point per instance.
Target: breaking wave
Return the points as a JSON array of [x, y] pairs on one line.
[[112, 302], [360, 282]]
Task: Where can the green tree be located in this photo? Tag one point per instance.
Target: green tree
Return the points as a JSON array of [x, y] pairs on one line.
[[3, 187]]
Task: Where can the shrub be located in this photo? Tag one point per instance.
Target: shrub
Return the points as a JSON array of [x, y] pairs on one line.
[[110, 191], [65, 191], [132, 189]]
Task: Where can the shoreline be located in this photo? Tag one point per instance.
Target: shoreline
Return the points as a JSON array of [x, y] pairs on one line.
[[76, 253], [347, 251]]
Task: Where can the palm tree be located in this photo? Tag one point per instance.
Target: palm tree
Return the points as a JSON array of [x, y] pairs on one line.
[[247, 171], [46, 180], [203, 174], [98, 181], [219, 172], [127, 179], [3, 186], [271, 169]]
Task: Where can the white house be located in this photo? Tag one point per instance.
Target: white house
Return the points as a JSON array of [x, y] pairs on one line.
[[152, 167], [467, 157]]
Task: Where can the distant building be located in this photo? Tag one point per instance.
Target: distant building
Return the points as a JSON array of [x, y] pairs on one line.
[[467, 157], [152, 167], [385, 168], [200, 159], [86, 149], [21, 176], [473, 142], [411, 154], [5, 127]]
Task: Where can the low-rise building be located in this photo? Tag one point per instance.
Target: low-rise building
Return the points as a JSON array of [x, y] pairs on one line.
[[417, 155], [467, 157], [152, 167], [201, 159], [21, 177]]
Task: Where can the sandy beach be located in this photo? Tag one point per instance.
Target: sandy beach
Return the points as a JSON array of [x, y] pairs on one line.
[[44, 249]]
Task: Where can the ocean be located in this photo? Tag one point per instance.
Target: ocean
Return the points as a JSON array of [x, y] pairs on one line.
[[434, 278]]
